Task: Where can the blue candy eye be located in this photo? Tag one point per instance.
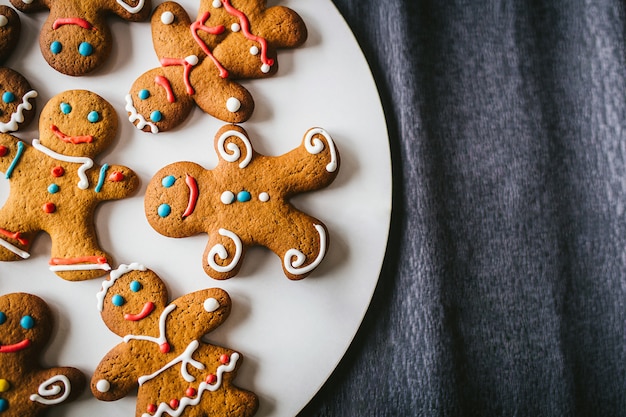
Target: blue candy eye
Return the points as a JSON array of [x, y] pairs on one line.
[[135, 286], [3, 317], [156, 116], [168, 181], [65, 108], [27, 322], [144, 94], [8, 97], [93, 116], [85, 49], [56, 47], [118, 300], [164, 210]]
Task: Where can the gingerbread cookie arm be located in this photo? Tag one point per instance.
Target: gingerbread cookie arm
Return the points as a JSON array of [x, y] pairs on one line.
[[201, 312], [113, 182], [224, 254], [11, 151], [115, 376], [283, 28], [57, 386], [31, 6], [170, 22]]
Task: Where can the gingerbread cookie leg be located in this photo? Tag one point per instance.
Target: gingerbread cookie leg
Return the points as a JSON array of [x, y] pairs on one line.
[[223, 255]]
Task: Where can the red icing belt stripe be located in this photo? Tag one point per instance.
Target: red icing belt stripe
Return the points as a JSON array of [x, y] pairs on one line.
[[245, 27], [166, 62], [193, 195], [73, 21], [16, 347], [216, 30], [70, 139], [164, 82], [147, 309], [16, 235], [71, 261]]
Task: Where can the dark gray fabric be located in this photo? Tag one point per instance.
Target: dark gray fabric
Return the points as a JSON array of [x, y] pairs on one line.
[[503, 292]]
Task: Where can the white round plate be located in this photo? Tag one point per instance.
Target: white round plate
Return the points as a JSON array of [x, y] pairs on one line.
[[292, 334]]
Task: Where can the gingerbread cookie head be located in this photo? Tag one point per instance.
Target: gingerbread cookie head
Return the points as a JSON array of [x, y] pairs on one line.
[[175, 371], [55, 185], [202, 60], [17, 101], [244, 201], [10, 27], [77, 123], [27, 389], [76, 39]]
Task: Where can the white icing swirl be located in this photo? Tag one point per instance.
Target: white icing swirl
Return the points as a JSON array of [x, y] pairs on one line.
[[232, 153], [220, 250], [48, 389], [315, 146], [294, 266]]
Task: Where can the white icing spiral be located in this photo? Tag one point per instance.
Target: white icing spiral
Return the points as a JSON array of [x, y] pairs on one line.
[[220, 251], [315, 146], [232, 152], [49, 389]]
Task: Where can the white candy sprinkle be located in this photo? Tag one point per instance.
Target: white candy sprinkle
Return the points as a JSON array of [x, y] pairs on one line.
[[167, 18], [211, 304], [227, 197], [233, 105], [235, 27], [264, 197], [103, 385], [254, 50]]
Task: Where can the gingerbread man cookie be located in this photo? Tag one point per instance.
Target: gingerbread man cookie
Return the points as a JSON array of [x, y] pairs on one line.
[[55, 185], [244, 202], [26, 388], [10, 27], [202, 60], [76, 39], [163, 354], [17, 101]]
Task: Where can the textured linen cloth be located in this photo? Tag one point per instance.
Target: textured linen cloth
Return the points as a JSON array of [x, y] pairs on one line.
[[503, 291]]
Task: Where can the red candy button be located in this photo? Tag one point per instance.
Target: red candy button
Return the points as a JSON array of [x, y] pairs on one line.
[[152, 408], [174, 403], [58, 171], [191, 392], [211, 379], [49, 208], [116, 176], [224, 359], [3, 150]]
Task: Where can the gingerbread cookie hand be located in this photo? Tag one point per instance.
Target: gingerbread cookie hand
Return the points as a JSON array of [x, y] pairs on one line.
[[55, 185], [27, 388], [176, 373], [244, 201], [76, 39], [203, 60]]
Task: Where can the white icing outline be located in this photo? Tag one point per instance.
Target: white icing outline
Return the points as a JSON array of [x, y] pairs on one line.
[[221, 251], [184, 359], [80, 267], [135, 116], [315, 146], [158, 340], [204, 386], [46, 389], [87, 163], [234, 148], [18, 115], [130, 9], [294, 267], [113, 276], [19, 252]]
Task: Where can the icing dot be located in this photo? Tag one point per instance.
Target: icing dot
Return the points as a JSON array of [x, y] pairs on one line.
[[3, 150], [116, 176], [233, 105], [103, 385], [227, 197], [135, 286], [4, 385], [4, 404], [118, 300], [211, 379], [3, 20], [265, 68], [174, 403], [49, 208], [254, 50], [8, 97], [235, 27], [58, 171], [164, 210], [191, 392], [243, 196], [27, 1], [165, 347], [3, 317], [167, 18], [168, 181], [56, 47], [211, 304], [65, 108], [264, 197], [53, 188], [217, 4], [27, 322], [85, 49], [192, 60], [143, 94], [151, 408], [93, 116], [224, 359], [156, 116]]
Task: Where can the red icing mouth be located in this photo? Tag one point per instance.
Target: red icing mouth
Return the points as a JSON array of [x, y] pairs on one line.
[[72, 21], [147, 309], [70, 139], [16, 347], [193, 195]]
